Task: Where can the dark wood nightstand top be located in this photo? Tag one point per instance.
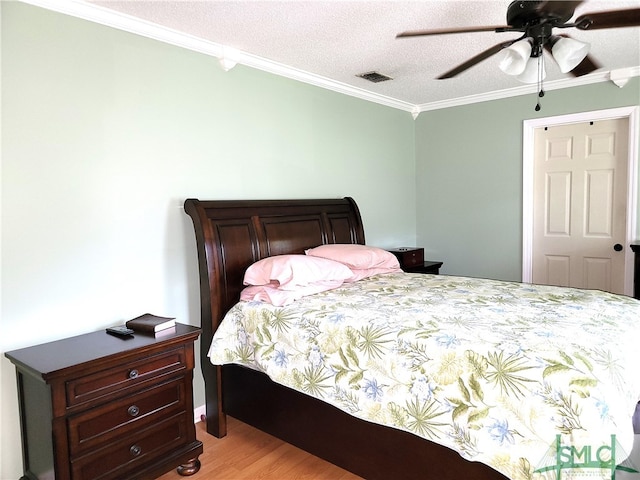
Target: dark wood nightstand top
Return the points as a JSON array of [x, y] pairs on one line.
[[50, 360]]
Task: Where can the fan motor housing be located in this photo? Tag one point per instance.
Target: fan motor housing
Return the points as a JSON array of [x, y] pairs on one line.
[[523, 13]]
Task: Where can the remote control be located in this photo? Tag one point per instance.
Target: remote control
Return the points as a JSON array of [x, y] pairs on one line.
[[120, 331]]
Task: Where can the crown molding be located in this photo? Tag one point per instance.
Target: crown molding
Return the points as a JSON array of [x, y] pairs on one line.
[[230, 57]]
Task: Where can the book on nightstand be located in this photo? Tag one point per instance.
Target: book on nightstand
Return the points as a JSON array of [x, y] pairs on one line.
[[149, 323]]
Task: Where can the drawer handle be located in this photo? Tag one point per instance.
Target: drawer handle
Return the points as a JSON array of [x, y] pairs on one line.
[[133, 410], [135, 450], [133, 373]]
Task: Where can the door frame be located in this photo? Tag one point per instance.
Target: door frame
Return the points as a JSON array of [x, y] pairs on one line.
[[529, 126]]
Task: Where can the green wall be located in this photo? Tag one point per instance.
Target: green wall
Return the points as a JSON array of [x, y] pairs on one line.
[[105, 133], [469, 176]]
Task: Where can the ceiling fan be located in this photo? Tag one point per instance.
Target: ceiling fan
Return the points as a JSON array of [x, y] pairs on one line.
[[536, 21]]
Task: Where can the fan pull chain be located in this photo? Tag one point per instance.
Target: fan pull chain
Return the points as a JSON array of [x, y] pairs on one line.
[[540, 81]]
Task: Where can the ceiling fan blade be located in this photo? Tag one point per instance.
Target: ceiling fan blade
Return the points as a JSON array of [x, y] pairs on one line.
[[558, 9], [477, 59], [610, 19], [585, 67], [447, 31]]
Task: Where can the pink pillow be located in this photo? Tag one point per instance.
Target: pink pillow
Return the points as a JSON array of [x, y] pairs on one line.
[[355, 256], [291, 271]]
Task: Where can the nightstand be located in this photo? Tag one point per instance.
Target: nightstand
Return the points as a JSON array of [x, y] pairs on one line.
[[101, 406], [412, 260]]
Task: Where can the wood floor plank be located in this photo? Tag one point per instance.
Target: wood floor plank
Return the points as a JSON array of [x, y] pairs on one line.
[[249, 454]]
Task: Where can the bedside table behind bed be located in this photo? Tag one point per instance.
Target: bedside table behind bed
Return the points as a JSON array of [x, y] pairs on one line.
[[412, 260]]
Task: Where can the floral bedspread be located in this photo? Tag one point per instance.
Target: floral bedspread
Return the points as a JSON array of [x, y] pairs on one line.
[[494, 370]]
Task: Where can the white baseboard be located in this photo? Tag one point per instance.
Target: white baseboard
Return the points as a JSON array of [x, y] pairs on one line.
[[199, 413]]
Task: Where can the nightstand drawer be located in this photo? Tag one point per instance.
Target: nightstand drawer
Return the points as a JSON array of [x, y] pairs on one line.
[[124, 376], [122, 458], [409, 256], [101, 425]]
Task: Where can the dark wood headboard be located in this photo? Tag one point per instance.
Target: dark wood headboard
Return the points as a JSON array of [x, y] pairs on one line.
[[233, 234]]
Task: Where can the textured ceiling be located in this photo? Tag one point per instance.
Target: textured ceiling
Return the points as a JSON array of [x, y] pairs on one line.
[[337, 40]]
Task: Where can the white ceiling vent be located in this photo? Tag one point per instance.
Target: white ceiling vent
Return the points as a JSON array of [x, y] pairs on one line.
[[374, 77]]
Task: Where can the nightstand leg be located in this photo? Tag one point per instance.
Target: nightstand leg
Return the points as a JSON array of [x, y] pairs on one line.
[[189, 468]]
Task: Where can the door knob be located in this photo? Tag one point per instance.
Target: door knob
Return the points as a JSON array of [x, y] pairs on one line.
[[617, 247]]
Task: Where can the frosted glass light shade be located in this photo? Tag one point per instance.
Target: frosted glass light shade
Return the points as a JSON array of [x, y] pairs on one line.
[[515, 57], [568, 53], [530, 73]]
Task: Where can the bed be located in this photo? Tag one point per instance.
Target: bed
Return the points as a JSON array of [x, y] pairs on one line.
[[232, 235]]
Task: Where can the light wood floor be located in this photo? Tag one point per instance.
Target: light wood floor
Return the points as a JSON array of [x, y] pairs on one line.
[[249, 454]]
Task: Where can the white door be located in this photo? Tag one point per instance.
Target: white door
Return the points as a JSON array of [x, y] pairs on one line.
[[579, 205]]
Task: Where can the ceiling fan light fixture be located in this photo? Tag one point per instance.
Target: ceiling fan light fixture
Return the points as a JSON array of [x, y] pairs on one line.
[[515, 57], [568, 53], [534, 71]]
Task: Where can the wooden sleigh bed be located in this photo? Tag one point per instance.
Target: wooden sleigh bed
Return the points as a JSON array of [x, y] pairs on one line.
[[231, 235]]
